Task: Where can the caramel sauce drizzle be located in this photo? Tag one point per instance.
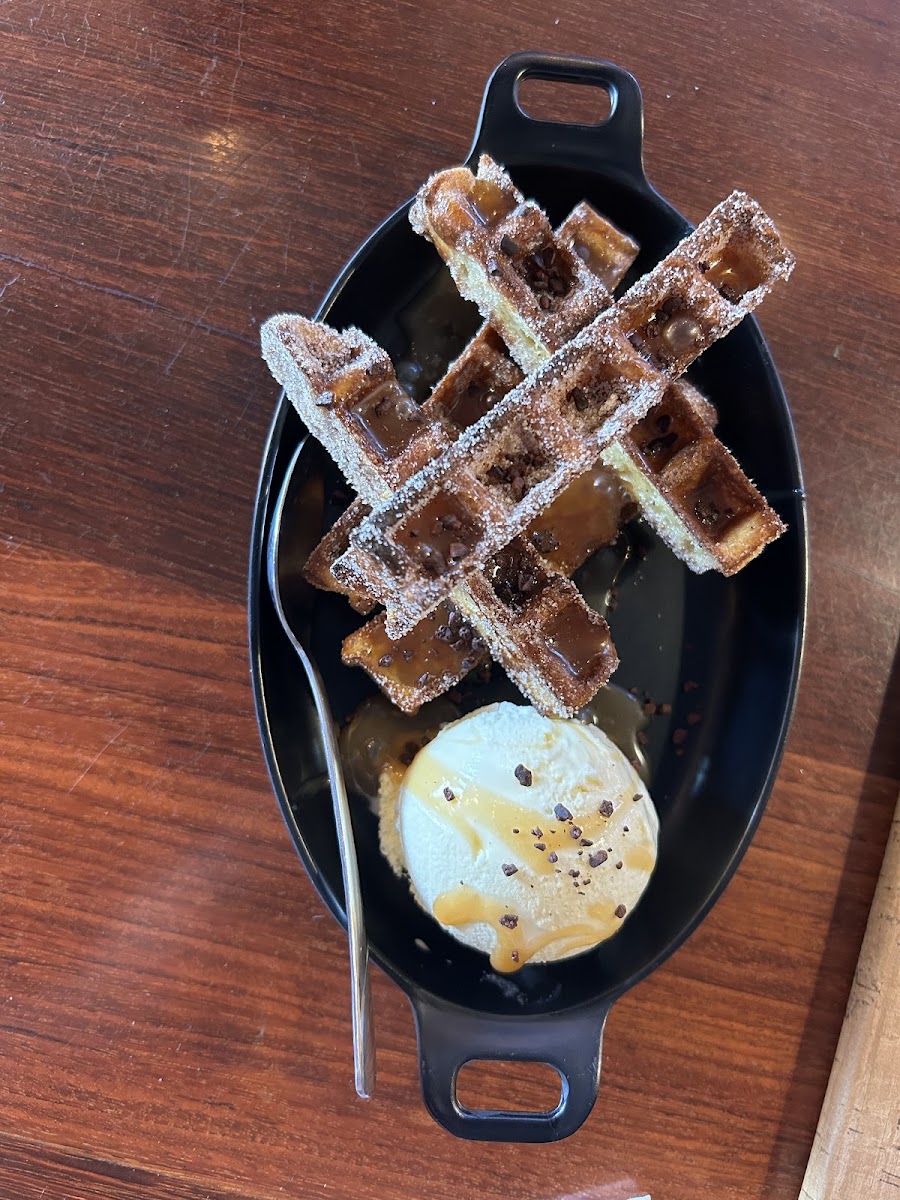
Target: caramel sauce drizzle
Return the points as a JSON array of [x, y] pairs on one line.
[[733, 273], [387, 418], [499, 816], [485, 205], [463, 905], [588, 514]]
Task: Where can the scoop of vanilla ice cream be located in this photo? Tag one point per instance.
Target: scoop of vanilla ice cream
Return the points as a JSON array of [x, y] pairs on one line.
[[527, 837]]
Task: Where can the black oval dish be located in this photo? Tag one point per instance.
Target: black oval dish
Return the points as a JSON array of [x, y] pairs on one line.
[[738, 640]]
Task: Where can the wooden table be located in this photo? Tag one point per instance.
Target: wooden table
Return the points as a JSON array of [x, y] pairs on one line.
[[173, 995]]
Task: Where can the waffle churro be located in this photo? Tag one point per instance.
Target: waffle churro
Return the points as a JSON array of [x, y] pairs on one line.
[[444, 647], [316, 364], [587, 515], [422, 665], [516, 613], [481, 375], [447, 520], [738, 251], [345, 389], [518, 590], [541, 288]]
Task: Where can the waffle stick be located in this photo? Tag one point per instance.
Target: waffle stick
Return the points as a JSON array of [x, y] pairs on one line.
[[451, 517], [511, 613], [695, 496], [576, 523], [474, 382], [330, 378], [544, 287], [444, 647]]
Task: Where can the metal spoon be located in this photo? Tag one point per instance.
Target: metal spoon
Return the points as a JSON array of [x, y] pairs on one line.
[[363, 1033]]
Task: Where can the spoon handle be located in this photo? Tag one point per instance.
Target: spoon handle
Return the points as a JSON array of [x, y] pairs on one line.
[[363, 1034]]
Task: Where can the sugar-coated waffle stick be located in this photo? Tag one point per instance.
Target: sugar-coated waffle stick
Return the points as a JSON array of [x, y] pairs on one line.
[[461, 508]]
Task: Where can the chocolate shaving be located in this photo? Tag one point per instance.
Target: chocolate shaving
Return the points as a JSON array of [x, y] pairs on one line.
[[523, 775], [509, 868], [509, 920], [578, 397], [408, 753], [552, 857], [659, 444], [449, 794], [598, 859], [562, 813], [621, 910], [540, 846], [606, 808], [544, 540]]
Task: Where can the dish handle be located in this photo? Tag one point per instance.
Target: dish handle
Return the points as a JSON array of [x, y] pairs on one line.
[[507, 133], [570, 1042]]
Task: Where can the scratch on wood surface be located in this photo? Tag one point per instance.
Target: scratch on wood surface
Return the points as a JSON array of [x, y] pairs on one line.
[[199, 323], [97, 757], [187, 216], [355, 150], [243, 411], [287, 244], [213, 63], [8, 284], [240, 36], [240, 62], [119, 294]]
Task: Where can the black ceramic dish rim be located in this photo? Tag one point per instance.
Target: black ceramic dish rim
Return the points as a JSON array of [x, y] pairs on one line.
[[596, 1008]]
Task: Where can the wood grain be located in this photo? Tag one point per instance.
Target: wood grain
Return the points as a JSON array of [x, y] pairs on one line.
[[858, 1135], [171, 175]]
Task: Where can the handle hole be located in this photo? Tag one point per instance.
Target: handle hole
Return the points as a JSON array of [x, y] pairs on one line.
[[564, 103], [489, 1085]]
